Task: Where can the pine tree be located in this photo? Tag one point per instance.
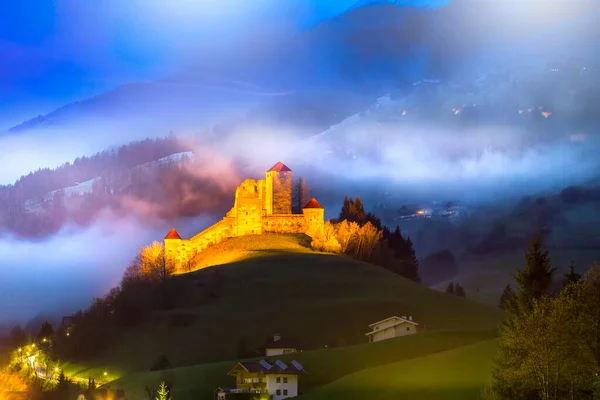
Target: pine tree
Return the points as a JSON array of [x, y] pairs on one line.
[[535, 279], [450, 288], [397, 243], [411, 263], [46, 331], [163, 392], [571, 276], [507, 298], [459, 290]]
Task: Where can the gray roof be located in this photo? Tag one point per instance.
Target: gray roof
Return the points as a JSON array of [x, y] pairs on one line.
[[255, 366]]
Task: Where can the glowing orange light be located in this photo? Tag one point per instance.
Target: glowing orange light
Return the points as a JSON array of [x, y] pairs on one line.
[[420, 212], [546, 114]]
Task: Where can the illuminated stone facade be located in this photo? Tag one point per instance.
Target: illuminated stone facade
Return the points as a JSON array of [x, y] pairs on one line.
[[260, 206]]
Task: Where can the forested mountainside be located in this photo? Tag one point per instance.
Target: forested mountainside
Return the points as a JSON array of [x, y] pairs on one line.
[[159, 178]]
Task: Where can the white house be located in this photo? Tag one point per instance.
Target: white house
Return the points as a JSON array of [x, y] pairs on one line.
[[278, 379], [391, 327], [278, 346]]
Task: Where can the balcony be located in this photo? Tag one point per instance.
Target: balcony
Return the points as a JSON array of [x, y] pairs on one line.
[[253, 387]]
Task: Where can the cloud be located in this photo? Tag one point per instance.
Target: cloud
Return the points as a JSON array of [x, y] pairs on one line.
[[64, 272]]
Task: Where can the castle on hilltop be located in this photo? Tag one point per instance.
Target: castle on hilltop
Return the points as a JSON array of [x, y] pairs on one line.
[[260, 206]]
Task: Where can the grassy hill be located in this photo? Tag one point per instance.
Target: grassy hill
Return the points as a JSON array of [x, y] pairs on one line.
[[326, 366], [275, 284], [460, 373]]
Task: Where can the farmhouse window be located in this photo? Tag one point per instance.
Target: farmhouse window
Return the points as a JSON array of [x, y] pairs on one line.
[[278, 380], [285, 392], [285, 379]]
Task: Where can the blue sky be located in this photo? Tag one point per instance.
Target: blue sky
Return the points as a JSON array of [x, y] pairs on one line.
[[58, 51]]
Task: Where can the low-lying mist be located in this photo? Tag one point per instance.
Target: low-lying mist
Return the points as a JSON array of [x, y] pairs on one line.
[[417, 159]]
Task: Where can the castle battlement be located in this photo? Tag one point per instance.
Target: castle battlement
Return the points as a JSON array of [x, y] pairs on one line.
[[260, 206]]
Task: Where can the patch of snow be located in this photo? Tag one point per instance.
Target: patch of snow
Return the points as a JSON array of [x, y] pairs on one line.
[[86, 187], [348, 122], [177, 157]]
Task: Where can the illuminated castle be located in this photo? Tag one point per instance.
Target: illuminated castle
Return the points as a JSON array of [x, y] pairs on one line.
[[260, 206]]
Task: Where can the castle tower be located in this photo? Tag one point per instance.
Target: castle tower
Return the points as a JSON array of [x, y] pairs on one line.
[[172, 241], [278, 199], [314, 216]]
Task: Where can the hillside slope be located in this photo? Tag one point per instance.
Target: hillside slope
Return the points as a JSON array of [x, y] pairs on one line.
[[455, 374], [325, 367], [276, 285]]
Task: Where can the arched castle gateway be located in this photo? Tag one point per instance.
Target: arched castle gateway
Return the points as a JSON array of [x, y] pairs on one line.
[[260, 206]]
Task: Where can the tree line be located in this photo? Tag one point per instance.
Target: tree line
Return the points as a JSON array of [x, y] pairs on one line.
[[550, 343], [170, 189], [361, 235], [43, 189]]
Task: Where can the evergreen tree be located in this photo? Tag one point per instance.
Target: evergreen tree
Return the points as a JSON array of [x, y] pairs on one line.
[[507, 298], [411, 263], [535, 279], [163, 392], [450, 288], [18, 337], [571, 276], [46, 331], [353, 210], [63, 383], [459, 290]]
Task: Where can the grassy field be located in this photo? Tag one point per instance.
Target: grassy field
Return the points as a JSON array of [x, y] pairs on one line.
[[455, 374], [319, 299], [252, 287], [323, 366]]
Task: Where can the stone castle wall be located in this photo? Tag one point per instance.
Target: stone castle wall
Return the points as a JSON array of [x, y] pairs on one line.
[[285, 223], [253, 213]]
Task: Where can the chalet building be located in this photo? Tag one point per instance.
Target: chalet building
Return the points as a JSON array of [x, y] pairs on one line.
[[277, 346], [275, 381], [391, 327]]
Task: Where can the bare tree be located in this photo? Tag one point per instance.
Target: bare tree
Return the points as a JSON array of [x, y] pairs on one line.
[[346, 234], [155, 263], [191, 262], [368, 237]]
